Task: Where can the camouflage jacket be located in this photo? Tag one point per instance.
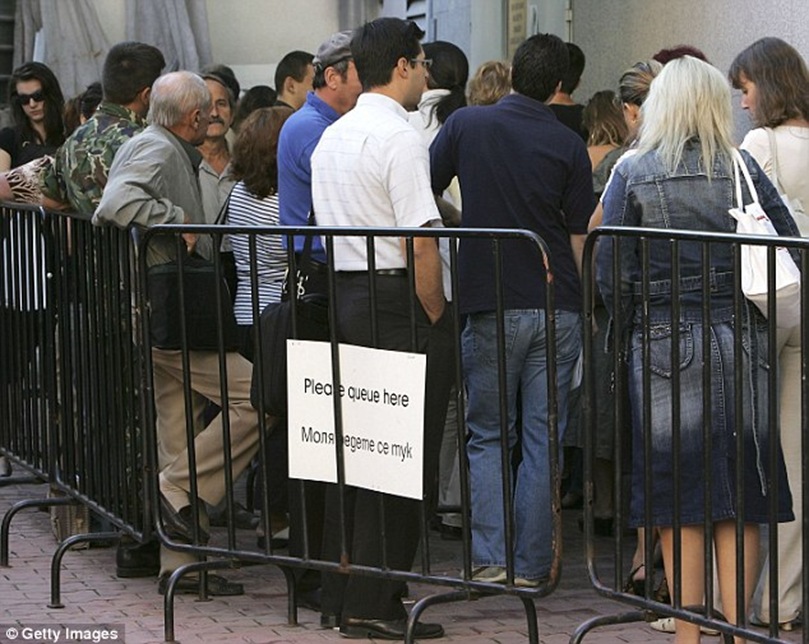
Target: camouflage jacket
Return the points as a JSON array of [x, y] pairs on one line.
[[80, 167]]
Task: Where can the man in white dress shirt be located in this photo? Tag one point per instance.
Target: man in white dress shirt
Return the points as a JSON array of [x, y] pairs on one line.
[[371, 168]]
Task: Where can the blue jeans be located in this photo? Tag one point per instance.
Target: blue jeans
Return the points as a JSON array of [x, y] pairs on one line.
[[526, 373]]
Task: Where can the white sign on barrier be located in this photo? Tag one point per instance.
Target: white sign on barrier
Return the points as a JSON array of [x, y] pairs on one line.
[[382, 397]]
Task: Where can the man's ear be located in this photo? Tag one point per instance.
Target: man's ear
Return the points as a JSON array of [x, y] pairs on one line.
[[330, 75], [289, 85], [402, 66], [144, 95]]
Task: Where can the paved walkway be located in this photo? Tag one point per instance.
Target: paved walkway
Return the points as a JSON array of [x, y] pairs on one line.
[[93, 596]]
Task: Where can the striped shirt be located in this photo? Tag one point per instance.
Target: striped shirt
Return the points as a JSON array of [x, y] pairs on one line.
[[270, 257]]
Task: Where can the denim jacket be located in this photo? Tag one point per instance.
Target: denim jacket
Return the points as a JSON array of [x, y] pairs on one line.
[[643, 193]]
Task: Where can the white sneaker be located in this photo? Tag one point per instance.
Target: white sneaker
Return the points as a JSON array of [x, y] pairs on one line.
[[489, 574], [666, 625]]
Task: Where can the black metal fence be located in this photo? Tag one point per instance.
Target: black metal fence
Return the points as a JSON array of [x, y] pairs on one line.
[[71, 373], [79, 412], [714, 341]]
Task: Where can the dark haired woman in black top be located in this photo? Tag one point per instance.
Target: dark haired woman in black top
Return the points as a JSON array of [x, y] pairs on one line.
[[37, 106]]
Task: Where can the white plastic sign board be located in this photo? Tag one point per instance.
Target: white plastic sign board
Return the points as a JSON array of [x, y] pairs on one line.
[[382, 397]]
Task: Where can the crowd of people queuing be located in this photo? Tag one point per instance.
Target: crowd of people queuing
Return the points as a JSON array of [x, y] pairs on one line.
[[377, 129]]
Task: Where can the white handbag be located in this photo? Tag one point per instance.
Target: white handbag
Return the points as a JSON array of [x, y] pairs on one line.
[[752, 220]]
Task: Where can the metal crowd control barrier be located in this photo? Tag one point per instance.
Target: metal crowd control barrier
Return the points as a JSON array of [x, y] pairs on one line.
[[609, 568], [70, 401], [229, 549], [25, 345]]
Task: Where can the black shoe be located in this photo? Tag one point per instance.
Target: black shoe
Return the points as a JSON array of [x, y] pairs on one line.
[[217, 586], [242, 517], [386, 629], [178, 522], [133, 559]]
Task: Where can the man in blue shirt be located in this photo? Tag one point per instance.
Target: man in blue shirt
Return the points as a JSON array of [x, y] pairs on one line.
[[336, 88], [518, 167]]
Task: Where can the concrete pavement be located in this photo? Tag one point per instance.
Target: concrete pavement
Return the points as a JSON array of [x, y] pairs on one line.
[[94, 596]]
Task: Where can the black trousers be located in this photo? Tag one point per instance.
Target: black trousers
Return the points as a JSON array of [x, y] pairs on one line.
[[381, 529]]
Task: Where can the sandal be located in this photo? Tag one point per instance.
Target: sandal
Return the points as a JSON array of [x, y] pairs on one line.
[[662, 594], [635, 586]]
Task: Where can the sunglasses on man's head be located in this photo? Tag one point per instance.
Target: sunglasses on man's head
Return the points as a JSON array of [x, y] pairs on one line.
[[37, 97]]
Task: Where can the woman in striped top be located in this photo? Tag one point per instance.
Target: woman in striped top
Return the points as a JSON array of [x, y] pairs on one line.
[[254, 202]]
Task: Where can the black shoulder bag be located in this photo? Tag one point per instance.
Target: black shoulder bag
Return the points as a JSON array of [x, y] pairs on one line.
[[268, 390]]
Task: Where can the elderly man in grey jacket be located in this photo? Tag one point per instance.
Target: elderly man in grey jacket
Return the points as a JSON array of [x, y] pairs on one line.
[[154, 180]]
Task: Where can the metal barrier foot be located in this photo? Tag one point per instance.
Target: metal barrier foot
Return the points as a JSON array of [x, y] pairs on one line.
[[9, 515], [531, 617], [606, 620], [431, 600], [171, 588], [292, 595], [56, 562]]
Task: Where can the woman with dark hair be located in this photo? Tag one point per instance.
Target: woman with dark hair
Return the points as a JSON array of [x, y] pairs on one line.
[[254, 202], [37, 106], [774, 81], [446, 83], [445, 93], [254, 98]]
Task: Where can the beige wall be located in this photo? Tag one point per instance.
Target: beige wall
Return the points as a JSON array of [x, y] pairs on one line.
[[262, 31], [614, 34], [250, 35]]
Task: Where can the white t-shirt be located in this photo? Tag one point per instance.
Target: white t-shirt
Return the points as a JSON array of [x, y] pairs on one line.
[[371, 168], [792, 144]]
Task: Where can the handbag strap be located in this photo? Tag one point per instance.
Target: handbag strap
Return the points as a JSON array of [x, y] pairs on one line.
[[739, 164], [223, 211], [304, 269]]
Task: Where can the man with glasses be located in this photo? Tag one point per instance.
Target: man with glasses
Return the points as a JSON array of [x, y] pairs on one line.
[[371, 168]]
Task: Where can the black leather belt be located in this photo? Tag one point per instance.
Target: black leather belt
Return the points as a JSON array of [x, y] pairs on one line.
[[391, 271]]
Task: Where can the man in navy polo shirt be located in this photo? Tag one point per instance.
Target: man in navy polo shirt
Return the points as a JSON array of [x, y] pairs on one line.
[[518, 168]]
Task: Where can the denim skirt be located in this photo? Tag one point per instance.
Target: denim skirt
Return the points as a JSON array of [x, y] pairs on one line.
[[687, 395]]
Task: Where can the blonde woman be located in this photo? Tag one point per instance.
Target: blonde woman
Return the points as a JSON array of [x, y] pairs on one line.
[[491, 82], [682, 178]]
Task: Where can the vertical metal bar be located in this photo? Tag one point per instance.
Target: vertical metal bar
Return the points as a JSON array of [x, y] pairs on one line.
[[646, 420], [338, 409], [503, 397]]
